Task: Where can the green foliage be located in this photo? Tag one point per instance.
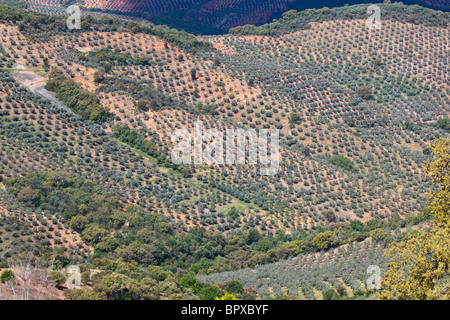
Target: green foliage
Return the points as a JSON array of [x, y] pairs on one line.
[[193, 73], [210, 292], [325, 240], [158, 273], [81, 197], [120, 287], [15, 3], [282, 297], [235, 286], [78, 99], [306, 151], [106, 58], [94, 234], [443, 124], [264, 245], [335, 296], [372, 224], [201, 267], [343, 162], [295, 117], [233, 213], [424, 214], [7, 275], [78, 223], [205, 291], [329, 294], [330, 216], [81, 294], [99, 76], [58, 277], [138, 140], [364, 92], [135, 139], [254, 236], [356, 225], [207, 109], [342, 292], [378, 234], [140, 90], [412, 127], [418, 267], [351, 122], [142, 105]]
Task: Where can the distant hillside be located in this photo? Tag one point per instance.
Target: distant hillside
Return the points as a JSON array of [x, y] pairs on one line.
[[206, 17], [225, 14]]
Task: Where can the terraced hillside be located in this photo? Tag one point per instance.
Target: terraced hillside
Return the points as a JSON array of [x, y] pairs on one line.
[[87, 116]]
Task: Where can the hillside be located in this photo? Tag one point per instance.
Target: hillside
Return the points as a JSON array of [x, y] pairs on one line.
[[87, 116], [206, 16]]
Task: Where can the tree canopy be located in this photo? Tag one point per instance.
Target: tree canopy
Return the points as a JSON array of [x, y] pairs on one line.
[[419, 266]]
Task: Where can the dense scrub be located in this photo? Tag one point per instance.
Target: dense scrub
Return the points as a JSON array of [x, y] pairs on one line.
[[81, 101]]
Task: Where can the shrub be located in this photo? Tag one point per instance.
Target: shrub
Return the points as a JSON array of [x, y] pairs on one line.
[[344, 163], [235, 286], [6, 276]]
